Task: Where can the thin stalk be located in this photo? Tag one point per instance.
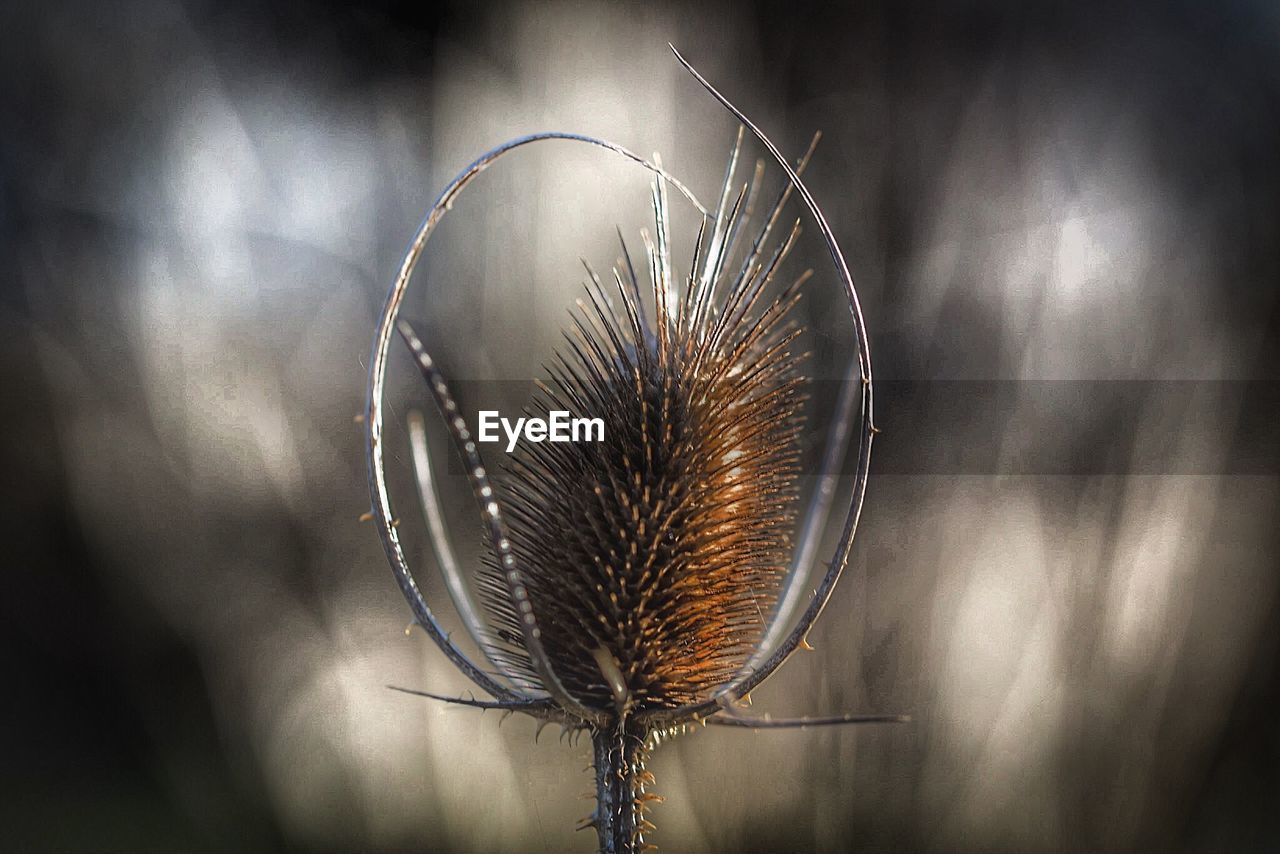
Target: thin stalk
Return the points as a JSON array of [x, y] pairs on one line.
[[620, 754]]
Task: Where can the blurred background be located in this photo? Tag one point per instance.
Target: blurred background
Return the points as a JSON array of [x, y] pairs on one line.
[[1063, 221]]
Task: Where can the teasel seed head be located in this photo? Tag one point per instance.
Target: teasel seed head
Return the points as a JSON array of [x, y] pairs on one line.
[[654, 557], [629, 582]]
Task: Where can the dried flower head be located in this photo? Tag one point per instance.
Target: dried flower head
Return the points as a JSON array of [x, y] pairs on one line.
[[639, 584]]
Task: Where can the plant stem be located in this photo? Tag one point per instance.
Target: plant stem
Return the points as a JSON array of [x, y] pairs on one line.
[[620, 754]]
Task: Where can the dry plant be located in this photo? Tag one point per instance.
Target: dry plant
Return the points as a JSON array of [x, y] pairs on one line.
[[644, 584]]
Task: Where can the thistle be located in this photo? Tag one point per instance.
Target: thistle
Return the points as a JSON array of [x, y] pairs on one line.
[[639, 585]]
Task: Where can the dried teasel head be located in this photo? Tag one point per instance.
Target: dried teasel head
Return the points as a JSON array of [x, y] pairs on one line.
[[645, 582], [651, 557]]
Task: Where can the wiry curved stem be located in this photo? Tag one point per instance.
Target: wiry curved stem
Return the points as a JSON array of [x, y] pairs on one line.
[[815, 519], [495, 527], [822, 594], [463, 602]]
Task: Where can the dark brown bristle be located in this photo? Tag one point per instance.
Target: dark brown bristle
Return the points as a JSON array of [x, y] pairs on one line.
[[654, 557]]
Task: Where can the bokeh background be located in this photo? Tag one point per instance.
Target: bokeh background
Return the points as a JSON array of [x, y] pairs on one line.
[[1063, 220]]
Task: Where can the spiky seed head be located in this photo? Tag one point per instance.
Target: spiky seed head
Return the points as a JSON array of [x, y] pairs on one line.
[[654, 557]]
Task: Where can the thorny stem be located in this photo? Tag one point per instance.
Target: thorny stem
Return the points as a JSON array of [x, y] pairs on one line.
[[620, 754]]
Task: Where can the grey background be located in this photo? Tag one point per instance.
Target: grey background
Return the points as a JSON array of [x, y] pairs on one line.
[[1072, 592]]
